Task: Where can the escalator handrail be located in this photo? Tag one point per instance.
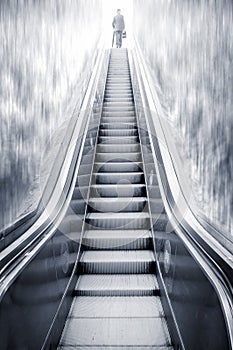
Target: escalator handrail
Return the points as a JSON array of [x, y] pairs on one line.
[[211, 268], [57, 206]]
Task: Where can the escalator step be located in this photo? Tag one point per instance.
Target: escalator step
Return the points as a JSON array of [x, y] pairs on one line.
[[113, 120], [118, 94], [121, 132], [117, 262], [134, 347], [117, 285], [121, 148], [117, 139], [115, 332], [119, 120], [115, 306], [116, 113], [118, 97], [122, 220], [127, 101], [119, 82], [116, 73], [117, 90], [117, 204], [125, 77], [117, 239], [123, 125], [118, 157], [119, 190], [124, 106], [114, 178], [109, 167]]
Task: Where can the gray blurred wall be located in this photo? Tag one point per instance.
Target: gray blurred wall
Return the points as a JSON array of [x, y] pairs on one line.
[[46, 53]]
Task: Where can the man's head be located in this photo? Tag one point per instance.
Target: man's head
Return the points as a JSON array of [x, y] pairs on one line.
[[118, 11]]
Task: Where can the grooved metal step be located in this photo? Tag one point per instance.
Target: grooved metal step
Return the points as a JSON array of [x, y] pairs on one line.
[[121, 87], [115, 72], [126, 220], [117, 139], [134, 347], [114, 69], [119, 190], [119, 94], [118, 99], [118, 90], [117, 262], [110, 167], [117, 239], [121, 148], [123, 104], [118, 157], [104, 332], [125, 77], [117, 285], [117, 120], [123, 125], [114, 178], [119, 113], [115, 306], [119, 82], [118, 132], [117, 204]]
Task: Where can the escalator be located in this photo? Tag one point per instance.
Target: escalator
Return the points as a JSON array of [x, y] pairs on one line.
[[117, 292], [115, 258]]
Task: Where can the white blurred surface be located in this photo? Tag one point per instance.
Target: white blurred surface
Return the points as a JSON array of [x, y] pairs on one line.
[[47, 50], [188, 47]]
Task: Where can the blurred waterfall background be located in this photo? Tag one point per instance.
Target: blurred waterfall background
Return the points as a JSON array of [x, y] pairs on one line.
[[47, 50], [188, 46], [46, 53]]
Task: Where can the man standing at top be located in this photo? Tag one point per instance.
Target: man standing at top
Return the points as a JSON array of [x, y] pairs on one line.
[[118, 24]]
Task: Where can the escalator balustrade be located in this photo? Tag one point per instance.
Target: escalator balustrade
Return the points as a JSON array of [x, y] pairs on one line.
[[117, 299]]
